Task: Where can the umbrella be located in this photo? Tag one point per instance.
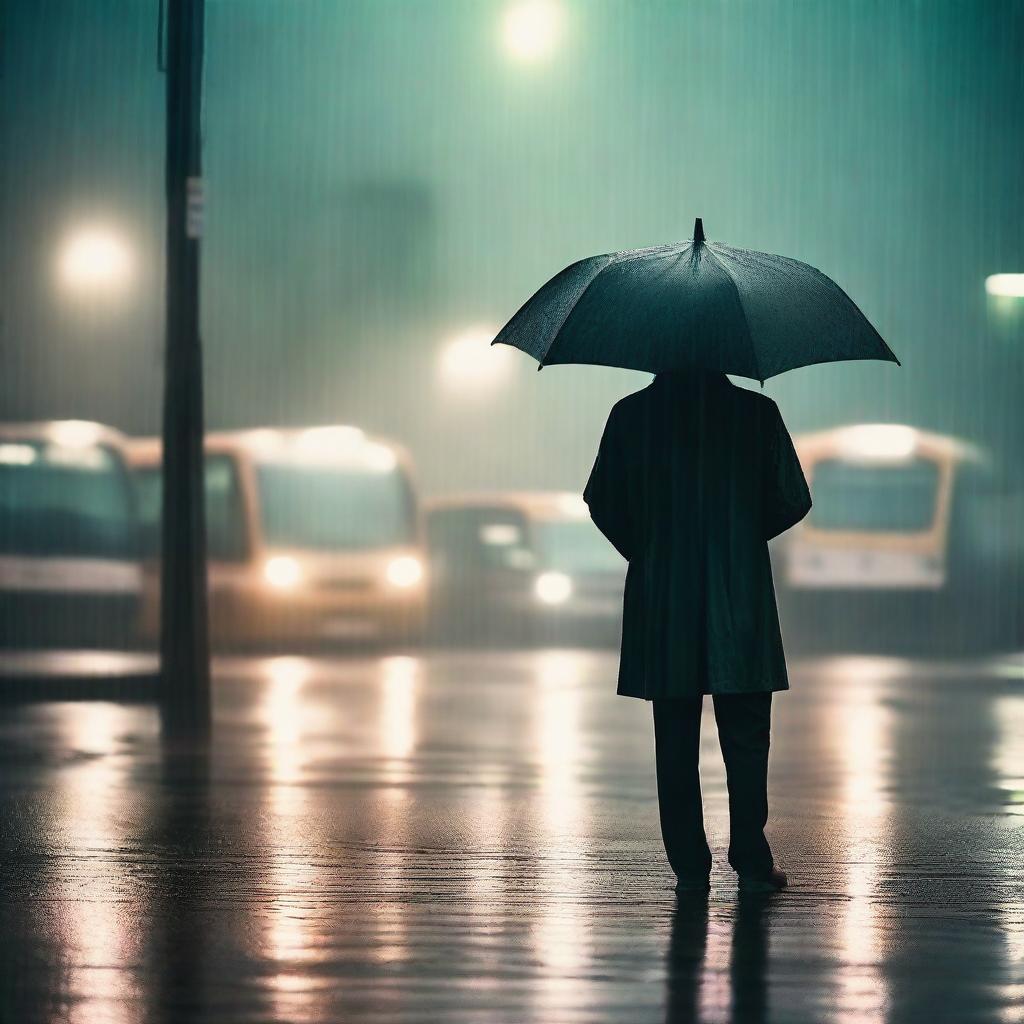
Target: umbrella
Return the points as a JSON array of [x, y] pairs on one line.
[[693, 304]]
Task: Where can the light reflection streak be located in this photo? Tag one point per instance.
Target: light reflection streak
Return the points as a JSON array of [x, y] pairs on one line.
[[391, 945], [714, 992], [1007, 762], [287, 715], [397, 727], [94, 790], [1007, 766], [395, 738], [486, 872], [282, 713], [560, 939], [862, 726]]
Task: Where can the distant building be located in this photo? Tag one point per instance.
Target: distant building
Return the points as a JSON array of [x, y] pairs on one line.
[[384, 252]]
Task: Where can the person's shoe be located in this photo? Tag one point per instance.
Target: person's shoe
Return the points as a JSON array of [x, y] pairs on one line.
[[773, 881], [693, 884]]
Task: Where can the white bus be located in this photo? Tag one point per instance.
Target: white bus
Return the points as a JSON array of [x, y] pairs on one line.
[[913, 536], [312, 534], [70, 570], [522, 566]]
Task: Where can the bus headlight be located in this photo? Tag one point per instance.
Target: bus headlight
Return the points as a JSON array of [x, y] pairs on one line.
[[405, 571], [553, 587], [282, 572]]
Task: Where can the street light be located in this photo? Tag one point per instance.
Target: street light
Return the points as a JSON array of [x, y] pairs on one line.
[[94, 259], [531, 28], [1005, 286], [469, 364], [1006, 298]]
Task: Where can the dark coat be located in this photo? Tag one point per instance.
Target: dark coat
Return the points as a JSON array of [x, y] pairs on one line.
[[693, 477]]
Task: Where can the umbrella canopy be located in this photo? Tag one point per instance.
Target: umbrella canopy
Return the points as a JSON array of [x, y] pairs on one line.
[[693, 304]]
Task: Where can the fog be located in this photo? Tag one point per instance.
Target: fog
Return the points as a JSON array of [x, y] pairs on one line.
[[384, 177]]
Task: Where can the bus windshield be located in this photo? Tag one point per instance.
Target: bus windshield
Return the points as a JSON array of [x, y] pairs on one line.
[[576, 546], [226, 538], [323, 507], [479, 539], [887, 498], [65, 501]]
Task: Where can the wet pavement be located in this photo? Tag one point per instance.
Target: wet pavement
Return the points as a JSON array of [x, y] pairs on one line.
[[472, 836]]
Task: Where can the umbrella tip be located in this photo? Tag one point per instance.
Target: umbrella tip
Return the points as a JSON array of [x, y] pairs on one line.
[[698, 230]]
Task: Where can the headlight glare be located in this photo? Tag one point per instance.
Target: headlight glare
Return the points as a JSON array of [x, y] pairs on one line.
[[553, 587], [405, 571], [282, 572]]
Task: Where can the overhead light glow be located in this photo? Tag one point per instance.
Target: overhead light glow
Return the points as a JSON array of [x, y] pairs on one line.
[[468, 363], [1007, 286], [531, 28], [878, 441], [93, 260], [553, 588]]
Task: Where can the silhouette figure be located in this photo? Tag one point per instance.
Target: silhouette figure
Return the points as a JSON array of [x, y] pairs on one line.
[[693, 476]]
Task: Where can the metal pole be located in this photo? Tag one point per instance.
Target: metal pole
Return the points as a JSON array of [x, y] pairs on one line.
[[184, 637]]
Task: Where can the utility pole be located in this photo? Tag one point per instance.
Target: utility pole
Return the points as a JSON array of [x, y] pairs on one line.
[[184, 631]]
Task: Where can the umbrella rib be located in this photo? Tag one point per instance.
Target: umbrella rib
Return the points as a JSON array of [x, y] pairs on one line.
[[614, 259], [572, 309], [743, 312]]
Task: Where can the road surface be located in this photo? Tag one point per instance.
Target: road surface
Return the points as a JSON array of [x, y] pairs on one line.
[[472, 836]]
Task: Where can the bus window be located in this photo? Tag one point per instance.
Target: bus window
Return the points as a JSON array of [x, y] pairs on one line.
[[64, 501], [226, 535], [897, 498], [327, 508], [983, 522], [466, 540]]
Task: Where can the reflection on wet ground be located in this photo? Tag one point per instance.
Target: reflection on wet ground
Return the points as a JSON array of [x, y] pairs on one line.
[[472, 836]]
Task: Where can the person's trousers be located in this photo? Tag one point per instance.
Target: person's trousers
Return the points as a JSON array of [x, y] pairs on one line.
[[744, 724]]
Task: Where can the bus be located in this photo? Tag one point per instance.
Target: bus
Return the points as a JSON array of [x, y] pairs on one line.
[[313, 534], [70, 564], [522, 567], [914, 537]]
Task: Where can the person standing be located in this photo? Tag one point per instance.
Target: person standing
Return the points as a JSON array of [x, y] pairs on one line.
[[693, 477]]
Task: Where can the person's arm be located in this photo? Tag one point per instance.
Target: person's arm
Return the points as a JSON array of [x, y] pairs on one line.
[[787, 499], [607, 489]]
